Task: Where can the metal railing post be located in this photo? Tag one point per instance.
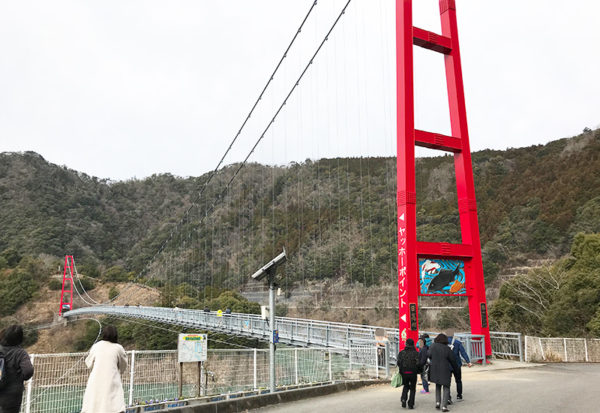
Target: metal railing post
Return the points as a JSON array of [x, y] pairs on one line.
[[376, 363], [526, 359], [520, 348], [29, 390], [387, 359], [296, 364], [586, 350], [330, 372], [131, 372], [565, 344], [255, 386]]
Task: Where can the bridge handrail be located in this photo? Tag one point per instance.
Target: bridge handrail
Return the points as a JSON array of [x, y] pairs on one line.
[[297, 331]]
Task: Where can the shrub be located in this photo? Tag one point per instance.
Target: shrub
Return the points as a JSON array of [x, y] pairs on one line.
[[113, 292], [55, 284]]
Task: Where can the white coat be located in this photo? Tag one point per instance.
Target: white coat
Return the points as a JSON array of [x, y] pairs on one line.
[[104, 390]]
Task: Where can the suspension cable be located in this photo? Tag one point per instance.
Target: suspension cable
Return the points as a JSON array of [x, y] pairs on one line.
[[222, 194], [260, 96]]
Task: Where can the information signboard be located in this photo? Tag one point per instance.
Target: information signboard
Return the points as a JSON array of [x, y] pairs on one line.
[[192, 348]]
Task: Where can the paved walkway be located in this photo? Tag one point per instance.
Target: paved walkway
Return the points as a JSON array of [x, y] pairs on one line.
[[502, 387]]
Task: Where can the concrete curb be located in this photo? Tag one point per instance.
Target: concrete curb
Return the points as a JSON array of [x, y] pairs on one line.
[[255, 402]]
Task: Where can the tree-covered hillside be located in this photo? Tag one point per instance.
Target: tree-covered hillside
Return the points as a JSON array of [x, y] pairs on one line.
[[334, 216]]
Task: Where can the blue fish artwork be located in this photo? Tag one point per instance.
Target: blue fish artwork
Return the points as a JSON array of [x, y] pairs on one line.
[[440, 276]]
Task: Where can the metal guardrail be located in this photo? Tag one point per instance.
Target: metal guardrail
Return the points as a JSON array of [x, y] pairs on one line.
[[507, 344], [297, 331], [152, 377]]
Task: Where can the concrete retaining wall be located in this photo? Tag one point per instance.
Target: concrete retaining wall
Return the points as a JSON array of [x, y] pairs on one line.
[[255, 402]]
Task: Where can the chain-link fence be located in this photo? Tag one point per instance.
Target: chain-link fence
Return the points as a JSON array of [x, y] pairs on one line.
[[559, 349], [152, 376]]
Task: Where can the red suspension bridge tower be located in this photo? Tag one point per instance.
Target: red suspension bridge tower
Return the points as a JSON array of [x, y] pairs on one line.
[[428, 268], [66, 294]]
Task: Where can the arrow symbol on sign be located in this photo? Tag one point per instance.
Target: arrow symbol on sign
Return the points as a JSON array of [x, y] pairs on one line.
[[403, 318], [402, 217]]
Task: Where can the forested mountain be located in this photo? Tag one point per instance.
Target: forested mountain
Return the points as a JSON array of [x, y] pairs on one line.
[[336, 217]]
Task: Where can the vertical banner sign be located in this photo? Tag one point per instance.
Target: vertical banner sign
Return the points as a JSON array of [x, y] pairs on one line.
[[413, 317], [483, 316], [402, 287]]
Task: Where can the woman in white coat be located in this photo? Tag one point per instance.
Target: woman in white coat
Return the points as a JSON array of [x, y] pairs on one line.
[[104, 391]]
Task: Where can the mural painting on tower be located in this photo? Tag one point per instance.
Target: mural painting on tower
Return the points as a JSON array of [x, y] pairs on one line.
[[441, 276]]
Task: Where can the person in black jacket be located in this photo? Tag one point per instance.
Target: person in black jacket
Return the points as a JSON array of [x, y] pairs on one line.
[[408, 365], [423, 361], [442, 358], [18, 368]]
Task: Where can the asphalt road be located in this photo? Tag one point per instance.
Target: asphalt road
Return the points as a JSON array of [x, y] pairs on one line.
[[548, 388]]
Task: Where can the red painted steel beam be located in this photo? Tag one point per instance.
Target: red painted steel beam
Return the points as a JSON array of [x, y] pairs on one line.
[[432, 41], [67, 284], [437, 141], [444, 249], [465, 188], [408, 276]]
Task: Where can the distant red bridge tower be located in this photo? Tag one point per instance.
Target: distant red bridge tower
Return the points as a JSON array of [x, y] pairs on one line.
[[427, 268], [66, 294]]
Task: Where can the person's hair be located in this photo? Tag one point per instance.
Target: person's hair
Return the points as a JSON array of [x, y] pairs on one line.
[[410, 343], [109, 333], [441, 338], [12, 336]]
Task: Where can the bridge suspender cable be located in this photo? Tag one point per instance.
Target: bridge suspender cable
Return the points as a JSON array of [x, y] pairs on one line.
[[268, 126], [260, 96]]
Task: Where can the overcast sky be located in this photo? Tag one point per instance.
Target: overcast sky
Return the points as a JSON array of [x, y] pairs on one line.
[[124, 89]]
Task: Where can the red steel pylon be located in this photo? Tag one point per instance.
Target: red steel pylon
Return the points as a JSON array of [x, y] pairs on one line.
[[66, 302], [468, 253]]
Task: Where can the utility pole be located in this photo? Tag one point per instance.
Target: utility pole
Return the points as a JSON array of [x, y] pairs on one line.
[[268, 271], [272, 326]]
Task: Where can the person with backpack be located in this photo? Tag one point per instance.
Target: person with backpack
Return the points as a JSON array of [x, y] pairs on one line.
[[16, 369], [442, 360], [423, 346], [104, 390], [459, 350], [408, 366]]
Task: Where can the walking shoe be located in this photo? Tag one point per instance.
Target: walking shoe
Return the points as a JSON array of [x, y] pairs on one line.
[[459, 397], [437, 406], [449, 401], [403, 403], [445, 409], [411, 407], [424, 392]]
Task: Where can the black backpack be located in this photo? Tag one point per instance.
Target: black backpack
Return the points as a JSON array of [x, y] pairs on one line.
[[3, 369], [410, 361]]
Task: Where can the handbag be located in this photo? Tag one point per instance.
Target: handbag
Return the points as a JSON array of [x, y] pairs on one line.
[[397, 380]]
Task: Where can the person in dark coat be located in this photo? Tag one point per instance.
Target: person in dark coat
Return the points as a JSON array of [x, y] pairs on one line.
[[442, 359], [459, 350], [423, 361], [408, 365], [18, 368]]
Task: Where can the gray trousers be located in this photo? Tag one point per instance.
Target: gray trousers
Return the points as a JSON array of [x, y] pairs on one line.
[[438, 393]]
